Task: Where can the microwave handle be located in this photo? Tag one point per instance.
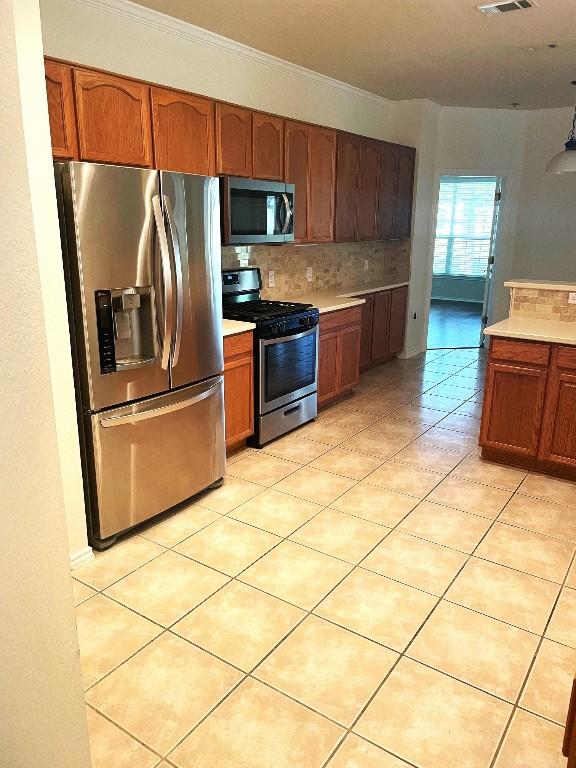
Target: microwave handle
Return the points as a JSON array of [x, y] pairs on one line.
[[289, 213]]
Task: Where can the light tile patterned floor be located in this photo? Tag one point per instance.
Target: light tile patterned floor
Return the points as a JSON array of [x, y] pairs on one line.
[[363, 593]]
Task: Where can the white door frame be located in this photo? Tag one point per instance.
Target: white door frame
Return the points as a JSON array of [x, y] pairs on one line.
[[504, 181]]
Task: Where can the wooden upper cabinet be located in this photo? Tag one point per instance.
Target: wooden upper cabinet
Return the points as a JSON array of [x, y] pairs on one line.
[[183, 128], [398, 309], [347, 166], [60, 92], [387, 190], [322, 183], [233, 140], [297, 165], [512, 410], [267, 147], [367, 200], [114, 123], [404, 190]]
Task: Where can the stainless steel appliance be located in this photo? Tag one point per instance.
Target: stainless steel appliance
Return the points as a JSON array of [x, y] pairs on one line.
[[285, 354], [256, 211], [142, 257]]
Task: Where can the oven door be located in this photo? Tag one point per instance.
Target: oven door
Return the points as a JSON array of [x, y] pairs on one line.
[[288, 369], [257, 211]]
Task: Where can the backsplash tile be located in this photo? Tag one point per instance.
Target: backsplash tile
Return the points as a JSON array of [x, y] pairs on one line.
[[543, 304], [334, 265]]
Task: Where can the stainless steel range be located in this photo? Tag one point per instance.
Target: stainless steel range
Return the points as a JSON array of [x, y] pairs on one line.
[[285, 354]]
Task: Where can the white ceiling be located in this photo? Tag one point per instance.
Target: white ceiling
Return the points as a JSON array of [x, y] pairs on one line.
[[443, 50]]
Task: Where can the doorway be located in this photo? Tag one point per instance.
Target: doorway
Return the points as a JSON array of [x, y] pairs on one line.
[[464, 255]]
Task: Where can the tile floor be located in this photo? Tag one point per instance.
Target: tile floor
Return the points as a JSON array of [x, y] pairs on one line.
[[364, 593]]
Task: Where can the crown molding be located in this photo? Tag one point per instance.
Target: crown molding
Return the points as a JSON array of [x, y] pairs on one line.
[[179, 28]]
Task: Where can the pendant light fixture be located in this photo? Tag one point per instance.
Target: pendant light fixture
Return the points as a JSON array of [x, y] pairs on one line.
[[565, 161]]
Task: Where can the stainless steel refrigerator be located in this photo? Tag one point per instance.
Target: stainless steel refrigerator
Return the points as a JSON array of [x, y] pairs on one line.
[[142, 256]]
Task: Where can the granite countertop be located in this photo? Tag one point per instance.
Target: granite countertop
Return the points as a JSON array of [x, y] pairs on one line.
[[232, 327], [333, 299], [541, 285], [534, 329]]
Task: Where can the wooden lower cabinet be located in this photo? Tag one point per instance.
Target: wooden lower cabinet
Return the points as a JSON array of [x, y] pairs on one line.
[[569, 744], [238, 387], [558, 442], [529, 411], [383, 325], [513, 403], [339, 353]]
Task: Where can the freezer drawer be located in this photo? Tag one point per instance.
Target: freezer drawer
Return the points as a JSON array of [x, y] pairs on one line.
[[149, 456]]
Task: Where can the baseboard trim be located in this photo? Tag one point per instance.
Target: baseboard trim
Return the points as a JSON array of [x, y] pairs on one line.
[[81, 558], [404, 355]]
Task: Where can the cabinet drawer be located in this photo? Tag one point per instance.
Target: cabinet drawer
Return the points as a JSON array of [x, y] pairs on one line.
[[240, 344], [520, 351], [566, 358], [340, 318]]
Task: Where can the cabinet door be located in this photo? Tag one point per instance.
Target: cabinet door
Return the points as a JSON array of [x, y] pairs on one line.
[[513, 406], [113, 119], [238, 399], [558, 441], [267, 147], [398, 307], [233, 140], [569, 742], [381, 326], [328, 365], [349, 357], [60, 93], [297, 163], [367, 201], [404, 187], [387, 190], [183, 132], [366, 330], [322, 184], [347, 186]]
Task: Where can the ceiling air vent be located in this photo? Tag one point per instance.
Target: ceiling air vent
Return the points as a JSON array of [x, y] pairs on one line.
[[494, 9]]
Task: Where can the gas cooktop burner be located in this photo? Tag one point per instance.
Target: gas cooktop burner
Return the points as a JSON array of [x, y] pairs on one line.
[[259, 310]]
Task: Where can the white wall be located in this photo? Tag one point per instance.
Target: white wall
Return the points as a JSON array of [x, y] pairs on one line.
[[144, 44], [42, 722], [487, 141], [545, 245]]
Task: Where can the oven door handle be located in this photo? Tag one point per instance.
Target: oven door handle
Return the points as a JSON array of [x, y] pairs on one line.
[[289, 337]]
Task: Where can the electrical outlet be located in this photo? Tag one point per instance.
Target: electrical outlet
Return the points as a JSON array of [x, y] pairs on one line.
[[271, 279], [572, 298], [366, 265], [309, 274]]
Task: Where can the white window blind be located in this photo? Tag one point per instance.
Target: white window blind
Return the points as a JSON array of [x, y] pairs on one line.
[[464, 225]]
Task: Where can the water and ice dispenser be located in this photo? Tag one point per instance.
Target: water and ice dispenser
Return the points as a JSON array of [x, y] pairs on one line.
[[126, 328]]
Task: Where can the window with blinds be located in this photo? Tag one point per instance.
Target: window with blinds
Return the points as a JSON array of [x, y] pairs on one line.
[[464, 225]]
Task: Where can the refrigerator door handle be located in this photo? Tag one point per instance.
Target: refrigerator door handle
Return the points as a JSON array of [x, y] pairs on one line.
[[167, 280], [129, 418], [179, 284]]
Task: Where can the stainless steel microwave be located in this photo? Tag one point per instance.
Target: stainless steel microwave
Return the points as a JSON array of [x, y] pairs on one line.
[[256, 211]]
